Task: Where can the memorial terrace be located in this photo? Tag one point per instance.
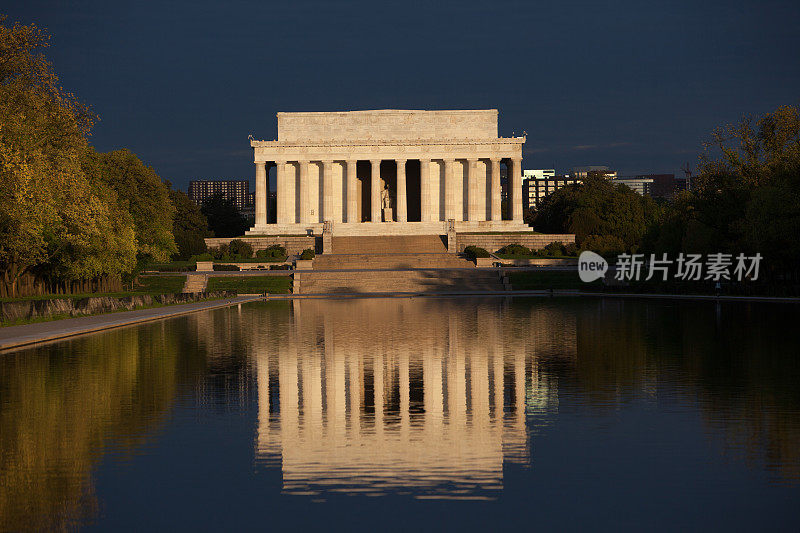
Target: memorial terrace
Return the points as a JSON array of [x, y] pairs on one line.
[[389, 172]]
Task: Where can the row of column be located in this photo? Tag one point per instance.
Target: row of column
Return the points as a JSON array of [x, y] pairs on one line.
[[287, 194]]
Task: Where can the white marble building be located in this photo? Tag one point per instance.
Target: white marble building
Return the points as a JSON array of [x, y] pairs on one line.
[[388, 172]]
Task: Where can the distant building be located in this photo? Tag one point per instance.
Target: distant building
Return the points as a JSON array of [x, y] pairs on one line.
[[642, 185], [540, 183], [504, 184], [582, 172], [237, 191], [539, 174], [249, 210], [664, 185]]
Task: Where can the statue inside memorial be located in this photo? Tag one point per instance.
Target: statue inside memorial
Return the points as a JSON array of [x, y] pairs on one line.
[[386, 204]]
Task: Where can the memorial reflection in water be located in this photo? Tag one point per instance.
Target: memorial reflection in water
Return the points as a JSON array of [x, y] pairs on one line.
[[411, 398], [389, 396]]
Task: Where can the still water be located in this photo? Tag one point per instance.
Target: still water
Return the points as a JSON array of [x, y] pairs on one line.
[[411, 414]]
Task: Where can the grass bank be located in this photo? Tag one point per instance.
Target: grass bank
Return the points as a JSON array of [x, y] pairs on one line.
[[62, 316]]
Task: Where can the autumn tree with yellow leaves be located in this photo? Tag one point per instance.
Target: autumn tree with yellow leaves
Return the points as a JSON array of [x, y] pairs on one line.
[[59, 217]]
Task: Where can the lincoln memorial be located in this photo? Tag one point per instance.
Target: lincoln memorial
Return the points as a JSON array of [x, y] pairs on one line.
[[389, 172]]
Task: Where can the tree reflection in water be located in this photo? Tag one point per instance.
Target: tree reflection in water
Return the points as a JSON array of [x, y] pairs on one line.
[[64, 404]]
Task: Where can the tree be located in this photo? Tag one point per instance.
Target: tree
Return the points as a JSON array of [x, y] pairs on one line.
[[140, 191], [604, 217], [189, 227], [746, 197], [50, 212], [223, 217]]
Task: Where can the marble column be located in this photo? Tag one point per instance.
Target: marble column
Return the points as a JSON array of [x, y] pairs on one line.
[[402, 202], [352, 192], [327, 191], [261, 193], [496, 203], [425, 189], [266, 182], [375, 190], [450, 190], [285, 214], [473, 205], [305, 201], [515, 188]]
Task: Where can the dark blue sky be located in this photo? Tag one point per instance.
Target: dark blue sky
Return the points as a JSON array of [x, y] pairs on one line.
[[634, 85]]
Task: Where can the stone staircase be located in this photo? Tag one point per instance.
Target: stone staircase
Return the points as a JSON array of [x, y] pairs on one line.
[[418, 281], [395, 244], [195, 283], [408, 264], [383, 261]]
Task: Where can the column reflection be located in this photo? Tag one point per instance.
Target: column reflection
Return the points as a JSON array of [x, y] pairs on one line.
[[403, 396]]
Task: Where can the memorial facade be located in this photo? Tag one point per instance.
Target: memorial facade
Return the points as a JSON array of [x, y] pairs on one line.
[[388, 172]]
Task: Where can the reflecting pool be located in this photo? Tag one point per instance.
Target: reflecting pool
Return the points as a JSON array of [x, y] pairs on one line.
[[417, 413]]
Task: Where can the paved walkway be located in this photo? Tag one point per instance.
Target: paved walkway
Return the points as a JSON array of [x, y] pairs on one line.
[[16, 336], [539, 292]]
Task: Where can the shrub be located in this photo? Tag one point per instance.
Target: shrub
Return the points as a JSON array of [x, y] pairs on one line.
[[226, 268], [307, 254], [276, 251], [280, 267], [220, 252], [241, 249], [515, 249], [202, 257], [473, 252], [552, 249], [571, 249]]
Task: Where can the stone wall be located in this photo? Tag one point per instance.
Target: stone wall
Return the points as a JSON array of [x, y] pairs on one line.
[[294, 244], [73, 307], [493, 242]]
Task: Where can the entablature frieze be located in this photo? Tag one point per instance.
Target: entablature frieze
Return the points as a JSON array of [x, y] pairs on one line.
[[338, 151]]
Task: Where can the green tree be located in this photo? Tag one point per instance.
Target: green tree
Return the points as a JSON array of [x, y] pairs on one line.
[[140, 191], [224, 219], [189, 226], [746, 197], [50, 212], [604, 217]]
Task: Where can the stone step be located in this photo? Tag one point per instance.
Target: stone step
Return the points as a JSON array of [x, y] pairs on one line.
[[416, 273], [356, 261], [195, 283], [415, 244], [419, 281], [345, 288]]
